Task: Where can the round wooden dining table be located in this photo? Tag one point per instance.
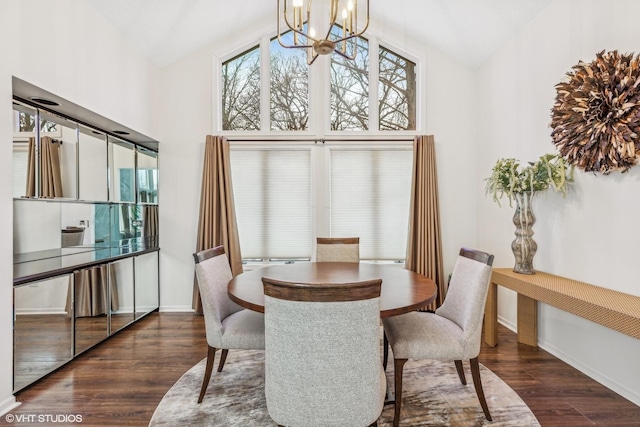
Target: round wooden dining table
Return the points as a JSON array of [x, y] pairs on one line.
[[402, 290]]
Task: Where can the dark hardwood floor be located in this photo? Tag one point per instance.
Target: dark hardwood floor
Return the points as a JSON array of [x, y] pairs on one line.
[[121, 381]]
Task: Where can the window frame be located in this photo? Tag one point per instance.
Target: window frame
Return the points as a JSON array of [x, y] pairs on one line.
[[319, 92]]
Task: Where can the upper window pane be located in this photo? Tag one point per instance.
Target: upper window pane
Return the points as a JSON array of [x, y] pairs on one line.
[[350, 88], [241, 92], [289, 86], [397, 92]]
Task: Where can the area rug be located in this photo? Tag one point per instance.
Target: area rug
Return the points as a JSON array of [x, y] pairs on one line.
[[432, 396]]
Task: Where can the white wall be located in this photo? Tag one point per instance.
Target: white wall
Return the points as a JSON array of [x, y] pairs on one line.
[[186, 118], [79, 57], [589, 236]]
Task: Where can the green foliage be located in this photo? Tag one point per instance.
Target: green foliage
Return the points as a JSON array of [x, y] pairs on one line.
[[509, 178]]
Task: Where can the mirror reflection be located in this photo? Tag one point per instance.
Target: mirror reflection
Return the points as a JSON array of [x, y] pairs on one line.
[[122, 308], [146, 280], [57, 159], [24, 121], [126, 223], [122, 164], [43, 329], [91, 305], [147, 176], [45, 167], [92, 165], [36, 226], [45, 225]]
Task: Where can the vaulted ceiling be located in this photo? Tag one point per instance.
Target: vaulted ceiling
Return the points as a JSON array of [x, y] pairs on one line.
[[467, 30]]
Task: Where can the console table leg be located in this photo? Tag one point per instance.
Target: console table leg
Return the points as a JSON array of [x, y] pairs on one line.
[[527, 320], [491, 316]]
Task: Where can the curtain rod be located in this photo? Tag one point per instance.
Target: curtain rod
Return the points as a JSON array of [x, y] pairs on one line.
[[321, 140]]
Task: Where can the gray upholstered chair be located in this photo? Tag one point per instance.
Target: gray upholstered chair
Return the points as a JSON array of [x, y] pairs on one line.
[[228, 326], [338, 249], [322, 353], [453, 332]]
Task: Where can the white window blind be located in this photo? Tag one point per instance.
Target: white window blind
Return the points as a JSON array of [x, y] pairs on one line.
[[370, 198], [272, 192]]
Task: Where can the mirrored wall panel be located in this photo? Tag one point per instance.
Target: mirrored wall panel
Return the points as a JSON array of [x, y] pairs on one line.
[[92, 165], [146, 275], [122, 165], [36, 226], [91, 306], [43, 225], [126, 223], [122, 294], [58, 158], [43, 333], [147, 176], [24, 130], [44, 166], [47, 225]]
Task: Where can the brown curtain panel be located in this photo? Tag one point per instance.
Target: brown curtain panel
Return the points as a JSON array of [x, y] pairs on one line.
[[217, 224], [150, 224], [31, 169], [424, 244], [91, 296], [50, 175]]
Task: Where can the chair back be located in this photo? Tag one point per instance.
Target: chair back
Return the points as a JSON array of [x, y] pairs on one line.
[[322, 353], [467, 296], [213, 273], [338, 249]]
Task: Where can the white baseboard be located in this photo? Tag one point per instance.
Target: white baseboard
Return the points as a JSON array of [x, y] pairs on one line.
[[176, 309], [509, 325], [40, 311], [614, 385], [9, 404], [594, 374]]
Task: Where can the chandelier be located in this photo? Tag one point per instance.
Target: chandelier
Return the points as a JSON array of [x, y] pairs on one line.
[[340, 37]]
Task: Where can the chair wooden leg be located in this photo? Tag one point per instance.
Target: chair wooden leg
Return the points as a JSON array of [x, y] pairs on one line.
[[460, 370], [477, 383], [398, 366], [385, 352], [211, 355], [223, 358]]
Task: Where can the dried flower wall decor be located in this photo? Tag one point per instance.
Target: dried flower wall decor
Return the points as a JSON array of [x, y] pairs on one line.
[[596, 115]]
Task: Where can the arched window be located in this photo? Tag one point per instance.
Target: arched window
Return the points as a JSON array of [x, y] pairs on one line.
[[289, 93]]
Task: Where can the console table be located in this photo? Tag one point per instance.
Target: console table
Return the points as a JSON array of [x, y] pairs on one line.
[[613, 309]]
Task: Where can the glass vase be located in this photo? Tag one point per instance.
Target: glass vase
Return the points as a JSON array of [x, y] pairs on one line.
[[524, 247]]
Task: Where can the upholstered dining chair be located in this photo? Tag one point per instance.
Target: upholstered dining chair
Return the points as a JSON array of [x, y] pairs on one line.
[[228, 326], [322, 353], [453, 332], [338, 249]]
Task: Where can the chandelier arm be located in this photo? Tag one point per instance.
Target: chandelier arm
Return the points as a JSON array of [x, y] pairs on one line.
[[329, 31], [336, 41], [313, 58], [344, 55], [358, 34]]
